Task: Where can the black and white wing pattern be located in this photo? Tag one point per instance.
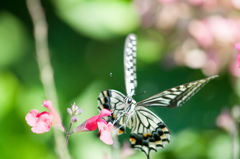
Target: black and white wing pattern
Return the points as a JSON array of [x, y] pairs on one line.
[[114, 101], [175, 96], [149, 132], [130, 64]]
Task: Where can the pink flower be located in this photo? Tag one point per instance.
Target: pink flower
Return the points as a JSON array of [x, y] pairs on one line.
[[105, 132], [201, 32], [226, 121], [215, 30], [92, 123], [41, 122]]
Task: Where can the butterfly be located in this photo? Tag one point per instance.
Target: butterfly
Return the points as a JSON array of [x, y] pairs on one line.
[[148, 131]]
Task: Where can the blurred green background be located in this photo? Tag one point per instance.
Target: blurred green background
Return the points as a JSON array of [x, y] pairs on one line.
[[86, 41]]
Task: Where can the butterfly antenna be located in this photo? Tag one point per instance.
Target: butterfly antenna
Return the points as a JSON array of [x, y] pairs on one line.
[[140, 93], [116, 81]]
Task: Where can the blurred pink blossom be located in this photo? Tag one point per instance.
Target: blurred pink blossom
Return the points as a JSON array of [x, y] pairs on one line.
[[215, 29], [201, 32], [238, 60], [214, 26], [225, 121], [234, 69], [237, 47], [41, 122], [167, 1]]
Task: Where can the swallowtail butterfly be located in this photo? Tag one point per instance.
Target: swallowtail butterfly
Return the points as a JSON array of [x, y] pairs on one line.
[[148, 131]]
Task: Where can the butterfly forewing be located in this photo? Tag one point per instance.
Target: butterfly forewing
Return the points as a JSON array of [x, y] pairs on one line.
[[175, 96], [114, 101], [130, 64]]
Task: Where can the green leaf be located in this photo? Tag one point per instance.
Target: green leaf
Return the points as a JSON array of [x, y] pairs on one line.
[[99, 19], [13, 39], [8, 88]]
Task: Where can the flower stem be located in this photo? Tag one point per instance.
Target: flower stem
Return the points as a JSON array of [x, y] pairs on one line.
[[67, 135], [43, 59]]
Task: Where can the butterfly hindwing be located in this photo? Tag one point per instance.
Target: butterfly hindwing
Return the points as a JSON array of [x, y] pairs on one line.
[[148, 131], [175, 96], [130, 64]]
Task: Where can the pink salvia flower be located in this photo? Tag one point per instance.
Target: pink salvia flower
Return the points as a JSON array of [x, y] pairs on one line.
[[96, 121], [56, 121], [91, 123], [41, 122], [105, 132]]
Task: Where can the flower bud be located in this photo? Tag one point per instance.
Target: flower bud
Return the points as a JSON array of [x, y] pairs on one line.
[[79, 111], [74, 119], [69, 111], [74, 106]]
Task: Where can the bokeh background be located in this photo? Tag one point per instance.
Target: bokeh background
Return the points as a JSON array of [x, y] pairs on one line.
[[179, 41]]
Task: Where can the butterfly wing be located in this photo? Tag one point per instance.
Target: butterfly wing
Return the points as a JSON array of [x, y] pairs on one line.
[[130, 64], [114, 101], [148, 131], [175, 96]]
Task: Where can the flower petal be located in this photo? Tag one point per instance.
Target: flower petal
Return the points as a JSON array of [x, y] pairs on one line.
[[105, 132], [91, 123], [56, 121], [105, 112], [43, 123], [102, 120], [31, 117]]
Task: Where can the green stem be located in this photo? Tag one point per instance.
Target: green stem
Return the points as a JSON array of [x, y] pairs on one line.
[[67, 135], [43, 59]]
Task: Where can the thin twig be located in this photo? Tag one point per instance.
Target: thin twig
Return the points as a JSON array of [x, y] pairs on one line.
[[46, 72], [67, 136]]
